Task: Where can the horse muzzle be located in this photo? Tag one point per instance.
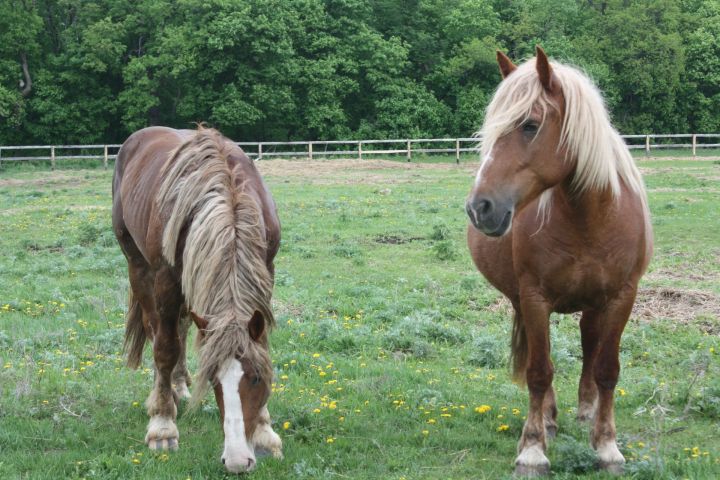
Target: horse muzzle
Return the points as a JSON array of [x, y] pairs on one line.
[[491, 217]]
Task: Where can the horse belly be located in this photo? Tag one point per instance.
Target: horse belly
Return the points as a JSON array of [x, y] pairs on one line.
[[585, 284]]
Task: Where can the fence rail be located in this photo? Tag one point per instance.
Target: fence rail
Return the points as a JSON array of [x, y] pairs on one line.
[[355, 148]]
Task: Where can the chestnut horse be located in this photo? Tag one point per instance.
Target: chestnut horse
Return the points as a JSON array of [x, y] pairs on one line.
[[199, 230], [560, 223]]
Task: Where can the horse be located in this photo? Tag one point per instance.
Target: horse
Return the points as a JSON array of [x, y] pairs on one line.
[[559, 222], [199, 230]]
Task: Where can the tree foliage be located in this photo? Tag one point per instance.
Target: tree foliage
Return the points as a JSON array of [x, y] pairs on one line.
[[73, 71]]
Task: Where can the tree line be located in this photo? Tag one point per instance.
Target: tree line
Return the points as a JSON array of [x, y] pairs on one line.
[[73, 71]]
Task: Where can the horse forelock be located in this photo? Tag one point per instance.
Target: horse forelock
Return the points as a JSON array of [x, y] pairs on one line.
[[224, 277], [602, 160]]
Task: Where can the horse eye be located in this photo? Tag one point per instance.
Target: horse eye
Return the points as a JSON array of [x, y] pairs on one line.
[[530, 128], [255, 381]]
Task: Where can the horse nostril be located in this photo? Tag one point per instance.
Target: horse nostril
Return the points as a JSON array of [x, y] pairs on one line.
[[250, 464], [484, 206], [223, 460]]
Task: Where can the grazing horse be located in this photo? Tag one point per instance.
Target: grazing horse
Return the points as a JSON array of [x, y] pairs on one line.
[[199, 230], [559, 223]]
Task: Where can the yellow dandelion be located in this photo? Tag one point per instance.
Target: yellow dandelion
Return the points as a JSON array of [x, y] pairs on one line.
[[330, 440], [426, 432], [483, 409], [286, 425], [503, 427]]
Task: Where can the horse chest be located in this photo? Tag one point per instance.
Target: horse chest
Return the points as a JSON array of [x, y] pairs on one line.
[[574, 279]]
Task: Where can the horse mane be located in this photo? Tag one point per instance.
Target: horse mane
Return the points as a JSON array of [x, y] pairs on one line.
[[602, 160], [224, 275]]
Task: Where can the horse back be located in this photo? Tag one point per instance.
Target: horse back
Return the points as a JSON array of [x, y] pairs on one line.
[[135, 184], [137, 179]]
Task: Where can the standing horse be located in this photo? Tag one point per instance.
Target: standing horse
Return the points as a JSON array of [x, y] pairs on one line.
[[199, 230], [560, 223]]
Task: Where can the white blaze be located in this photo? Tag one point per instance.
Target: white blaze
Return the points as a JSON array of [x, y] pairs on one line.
[[486, 161], [238, 456]]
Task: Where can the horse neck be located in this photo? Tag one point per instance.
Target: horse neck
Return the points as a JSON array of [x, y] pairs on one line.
[[590, 210]]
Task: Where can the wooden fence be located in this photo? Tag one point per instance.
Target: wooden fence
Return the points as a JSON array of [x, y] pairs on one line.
[[347, 148]]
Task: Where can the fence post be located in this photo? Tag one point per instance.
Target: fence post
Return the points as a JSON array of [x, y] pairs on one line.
[[647, 145], [359, 150], [409, 151], [694, 143], [457, 151], [52, 158], [310, 151], [259, 151], [105, 157], [0, 156]]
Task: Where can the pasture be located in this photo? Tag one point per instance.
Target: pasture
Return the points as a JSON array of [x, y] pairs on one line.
[[390, 351]]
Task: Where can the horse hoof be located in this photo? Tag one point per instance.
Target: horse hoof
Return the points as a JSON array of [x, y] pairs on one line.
[[530, 471], [164, 444], [613, 468]]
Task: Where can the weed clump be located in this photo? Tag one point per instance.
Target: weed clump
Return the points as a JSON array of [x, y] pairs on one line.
[[488, 351], [418, 333]]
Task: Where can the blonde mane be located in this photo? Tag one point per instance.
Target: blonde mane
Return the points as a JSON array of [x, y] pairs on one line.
[[224, 275], [601, 157]]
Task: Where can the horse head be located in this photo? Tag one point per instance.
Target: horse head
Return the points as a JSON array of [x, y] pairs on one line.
[[242, 389], [522, 150]]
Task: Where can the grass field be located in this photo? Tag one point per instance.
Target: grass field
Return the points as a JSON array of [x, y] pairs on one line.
[[390, 351]]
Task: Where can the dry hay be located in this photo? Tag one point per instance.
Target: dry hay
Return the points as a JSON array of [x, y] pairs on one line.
[[656, 303], [682, 305]]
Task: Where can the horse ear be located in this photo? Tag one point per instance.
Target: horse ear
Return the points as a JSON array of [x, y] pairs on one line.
[[200, 322], [542, 65], [256, 327], [506, 65]]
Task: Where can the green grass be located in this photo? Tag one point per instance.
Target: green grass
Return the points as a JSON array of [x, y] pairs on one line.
[[387, 338]]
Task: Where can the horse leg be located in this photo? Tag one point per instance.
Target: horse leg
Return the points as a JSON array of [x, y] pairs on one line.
[[587, 390], [180, 376], [162, 433], [531, 459], [606, 370], [265, 440], [549, 403], [550, 413]]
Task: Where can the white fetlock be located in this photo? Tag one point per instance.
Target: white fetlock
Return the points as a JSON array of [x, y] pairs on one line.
[[266, 441], [586, 411], [610, 457], [532, 462], [162, 434], [182, 390]]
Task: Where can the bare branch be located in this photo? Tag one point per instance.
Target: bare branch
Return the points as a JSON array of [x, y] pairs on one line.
[[27, 87]]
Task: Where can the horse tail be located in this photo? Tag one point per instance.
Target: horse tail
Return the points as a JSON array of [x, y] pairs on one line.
[[519, 349], [135, 335]]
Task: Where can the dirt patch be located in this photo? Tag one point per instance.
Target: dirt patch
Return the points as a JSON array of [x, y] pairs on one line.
[[395, 239], [685, 306], [681, 305], [48, 178], [685, 272], [353, 170]]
